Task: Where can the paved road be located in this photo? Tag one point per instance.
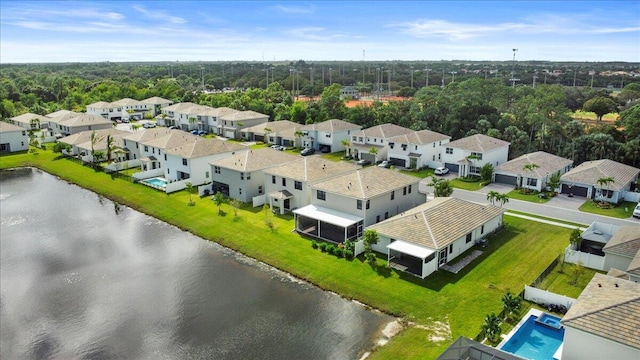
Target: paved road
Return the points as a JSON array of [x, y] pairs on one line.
[[561, 207]]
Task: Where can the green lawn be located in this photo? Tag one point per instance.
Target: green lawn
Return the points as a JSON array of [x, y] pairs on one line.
[[458, 302], [580, 114], [546, 218], [622, 211], [466, 185], [336, 156], [533, 197], [422, 173], [559, 282]]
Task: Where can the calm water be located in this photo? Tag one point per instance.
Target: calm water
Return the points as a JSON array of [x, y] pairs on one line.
[[83, 278]]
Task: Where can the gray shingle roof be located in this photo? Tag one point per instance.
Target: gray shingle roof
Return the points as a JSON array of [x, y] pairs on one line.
[[548, 164], [254, 160], [478, 143], [26, 118], [273, 126], [243, 116], [204, 147], [332, 125], [155, 100], [384, 131], [85, 136], [6, 127], [311, 168], [590, 171], [608, 307], [367, 183], [85, 120], [624, 242], [437, 223], [173, 139], [420, 137]]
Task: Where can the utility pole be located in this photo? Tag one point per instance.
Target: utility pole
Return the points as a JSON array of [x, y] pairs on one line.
[[592, 73], [426, 81], [363, 62], [574, 77], [535, 76], [411, 76], [443, 78], [389, 81], [513, 69]]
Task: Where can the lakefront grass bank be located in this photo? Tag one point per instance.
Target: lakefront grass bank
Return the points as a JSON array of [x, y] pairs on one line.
[[444, 305]]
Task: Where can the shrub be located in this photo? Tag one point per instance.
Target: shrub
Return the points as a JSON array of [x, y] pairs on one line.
[[348, 254], [323, 247], [331, 249], [314, 244], [339, 252]]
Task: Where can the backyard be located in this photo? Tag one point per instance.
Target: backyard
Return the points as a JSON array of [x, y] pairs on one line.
[[443, 306]]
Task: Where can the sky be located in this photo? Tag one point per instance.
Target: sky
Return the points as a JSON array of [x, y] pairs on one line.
[[122, 30]]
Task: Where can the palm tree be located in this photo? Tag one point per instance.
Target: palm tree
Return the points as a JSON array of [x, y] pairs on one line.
[[346, 143], [605, 182], [298, 134], [441, 187], [373, 151], [473, 159], [529, 168], [267, 131], [192, 120], [189, 187], [502, 199], [554, 182], [94, 140], [510, 305], [492, 196], [110, 147], [491, 326]]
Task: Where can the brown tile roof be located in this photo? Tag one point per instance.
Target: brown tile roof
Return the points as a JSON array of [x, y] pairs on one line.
[[478, 143], [608, 307], [590, 171], [26, 118], [7, 127], [437, 223], [333, 125], [420, 137], [548, 164], [311, 168], [204, 147], [384, 131], [254, 160], [367, 183], [624, 242]]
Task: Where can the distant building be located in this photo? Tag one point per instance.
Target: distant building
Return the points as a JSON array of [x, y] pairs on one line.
[[349, 92]]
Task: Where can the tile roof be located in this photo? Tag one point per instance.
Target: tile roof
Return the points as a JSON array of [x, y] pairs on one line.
[[608, 307], [332, 125], [84, 120], [274, 126], [58, 113], [548, 164], [155, 100], [142, 135], [367, 182], [384, 131], [437, 223], [126, 102], [173, 139], [7, 127], [101, 142], [311, 168], [26, 118], [84, 136], [421, 137], [254, 160], [243, 115], [62, 116], [478, 143], [180, 106], [624, 242], [590, 171], [204, 147], [100, 105], [218, 112]]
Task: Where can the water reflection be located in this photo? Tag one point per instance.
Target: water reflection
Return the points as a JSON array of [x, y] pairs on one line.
[[84, 280]]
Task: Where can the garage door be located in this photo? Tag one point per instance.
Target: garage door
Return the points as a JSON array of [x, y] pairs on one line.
[[506, 179], [230, 134], [367, 156], [452, 167], [575, 190], [398, 162]]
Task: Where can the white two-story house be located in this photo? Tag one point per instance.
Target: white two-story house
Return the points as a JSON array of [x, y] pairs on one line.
[[133, 142], [151, 149], [272, 132], [417, 149], [31, 121], [287, 186], [73, 123], [241, 176], [155, 104], [372, 143], [13, 138], [466, 156], [342, 205], [328, 136], [230, 125]]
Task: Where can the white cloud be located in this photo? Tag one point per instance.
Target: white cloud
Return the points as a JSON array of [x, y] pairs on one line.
[[159, 15], [289, 9]]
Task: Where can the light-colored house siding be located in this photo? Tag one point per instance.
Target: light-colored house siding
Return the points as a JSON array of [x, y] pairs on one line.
[[580, 345], [13, 138], [455, 158]]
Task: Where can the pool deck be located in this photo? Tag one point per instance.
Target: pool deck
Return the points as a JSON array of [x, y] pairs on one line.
[[556, 356]]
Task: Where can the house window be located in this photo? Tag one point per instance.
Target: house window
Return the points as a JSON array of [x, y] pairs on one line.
[[328, 135], [386, 215], [404, 147], [353, 138], [273, 179], [165, 157], [438, 156], [241, 176], [434, 144], [240, 191], [216, 169], [415, 147], [468, 239], [474, 169], [368, 204], [533, 182], [393, 195], [260, 189], [206, 174], [449, 150], [409, 189], [360, 139], [404, 191], [284, 182], [450, 248], [479, 155], [429, 258], [359, 204], [248, 176], [391, 145], [377, 218], [184, 162], [297, 185], [482, 229], [321, 195], [146, 148], [433, 158]]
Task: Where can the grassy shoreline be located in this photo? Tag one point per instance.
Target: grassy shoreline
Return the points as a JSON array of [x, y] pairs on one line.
[[460, 301]]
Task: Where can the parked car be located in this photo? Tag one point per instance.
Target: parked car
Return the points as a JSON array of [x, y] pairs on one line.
[[385, 164], [274, 146], [441, 170], [172, 127], [636, 211], [202, 132], [307, 151], [125, 121], [363, 162], [149, 125]]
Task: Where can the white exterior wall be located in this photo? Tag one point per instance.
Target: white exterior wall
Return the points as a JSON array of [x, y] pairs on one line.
[[134, 148], [198, 169], [580, 345], [431, 153], [616, 262], [338, 137], [495, 157], [233, 179], [16, 140], [76, 129], [232, 126], [300, 197]]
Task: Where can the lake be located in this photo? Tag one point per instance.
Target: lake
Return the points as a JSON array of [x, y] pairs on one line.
[[82, 277]]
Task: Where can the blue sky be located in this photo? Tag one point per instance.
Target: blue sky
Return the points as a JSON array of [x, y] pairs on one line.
[[89, 31]]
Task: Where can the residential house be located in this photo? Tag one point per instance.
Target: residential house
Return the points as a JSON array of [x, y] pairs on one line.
[[132, 141], [230, 125], [104, 109], [622, 252], [73, 123], [466, 156], [349, 92], [155, 105], [287, 186], [271, 132], [130, 109], [583, 180], [465, 348], [531, 171], [81, 143], [190, 160], [241, 176], [31, 121], [328, 136], [604, 322], [151, 149], [423, 239], [210, 119], [58, 113], [417, 150], [180, 115], [342, 205], [13, 138], [372, 143]]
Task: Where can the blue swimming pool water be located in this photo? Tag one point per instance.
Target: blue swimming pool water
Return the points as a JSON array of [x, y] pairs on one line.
[[156, 181], [535, 341]]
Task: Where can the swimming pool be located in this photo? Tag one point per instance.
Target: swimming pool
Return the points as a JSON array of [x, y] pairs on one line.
[[156, 182], [535, 340]]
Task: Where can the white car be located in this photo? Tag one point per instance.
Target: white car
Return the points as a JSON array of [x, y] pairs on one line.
[[636, 211], [441, 170], [149, 125]]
